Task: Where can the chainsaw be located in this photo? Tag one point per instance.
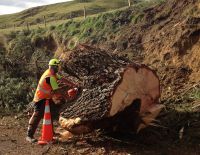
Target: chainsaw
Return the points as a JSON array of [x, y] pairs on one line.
[[69, 92]]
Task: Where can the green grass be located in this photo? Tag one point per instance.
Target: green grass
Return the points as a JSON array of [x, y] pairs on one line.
[[58, 14], [60, 11], [95, 28], [195, 94]]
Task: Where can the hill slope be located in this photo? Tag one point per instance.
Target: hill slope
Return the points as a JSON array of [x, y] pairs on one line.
[[164, 36], [59, 11]]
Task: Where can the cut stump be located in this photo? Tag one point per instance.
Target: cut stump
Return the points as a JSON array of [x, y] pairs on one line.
[[119, 95]]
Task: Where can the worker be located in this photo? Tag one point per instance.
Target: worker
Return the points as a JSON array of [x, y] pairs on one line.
[[47, 86]]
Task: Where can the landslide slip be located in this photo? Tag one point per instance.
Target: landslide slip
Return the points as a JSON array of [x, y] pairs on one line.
[[169, 38]]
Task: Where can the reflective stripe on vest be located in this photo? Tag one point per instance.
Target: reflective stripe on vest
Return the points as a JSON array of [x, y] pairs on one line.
[[43, 89], [40, 86]]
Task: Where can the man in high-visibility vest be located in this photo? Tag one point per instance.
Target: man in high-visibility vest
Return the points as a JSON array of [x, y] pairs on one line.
[[47, 86]]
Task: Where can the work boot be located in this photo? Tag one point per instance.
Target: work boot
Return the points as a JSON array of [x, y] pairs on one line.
[[31, 139]]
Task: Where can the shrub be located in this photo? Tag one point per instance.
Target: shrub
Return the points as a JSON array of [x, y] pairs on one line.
[[11, 35], [2, 56], [20, 49], [15, 93]]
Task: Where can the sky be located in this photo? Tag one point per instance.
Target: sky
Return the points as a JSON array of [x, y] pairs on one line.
[[13, 6]]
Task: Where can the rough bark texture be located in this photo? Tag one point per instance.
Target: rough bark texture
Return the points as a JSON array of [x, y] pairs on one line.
[[115, 92]]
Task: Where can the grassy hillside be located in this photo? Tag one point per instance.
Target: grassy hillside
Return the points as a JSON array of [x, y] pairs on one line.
[[127, 31], [59, 11], [20, 49]]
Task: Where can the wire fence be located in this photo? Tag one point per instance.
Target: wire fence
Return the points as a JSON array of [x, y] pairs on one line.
[[43, 20]]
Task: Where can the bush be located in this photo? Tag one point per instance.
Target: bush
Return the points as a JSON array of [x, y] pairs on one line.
[[15, 93], [21, 48], [12, 35], [36, 39], [2, 57]]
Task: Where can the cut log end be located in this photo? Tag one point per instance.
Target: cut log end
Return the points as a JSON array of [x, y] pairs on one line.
[[136, 84], [115, 91]]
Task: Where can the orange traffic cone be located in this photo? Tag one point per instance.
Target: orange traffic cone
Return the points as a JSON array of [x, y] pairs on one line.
[[47, 128]]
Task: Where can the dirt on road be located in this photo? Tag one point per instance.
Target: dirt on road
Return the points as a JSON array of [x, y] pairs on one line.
[[13, 132]]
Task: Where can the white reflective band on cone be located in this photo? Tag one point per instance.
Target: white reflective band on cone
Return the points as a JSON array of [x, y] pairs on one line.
[[46, 122], [47, 109]]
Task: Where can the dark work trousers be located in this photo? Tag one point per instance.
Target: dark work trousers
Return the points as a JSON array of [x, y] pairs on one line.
[[38, 114]]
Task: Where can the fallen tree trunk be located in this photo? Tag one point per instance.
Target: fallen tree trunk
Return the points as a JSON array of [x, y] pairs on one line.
[[118, 94]]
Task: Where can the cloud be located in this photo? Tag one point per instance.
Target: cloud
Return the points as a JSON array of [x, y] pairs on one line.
[[12, 6], [9, 9], [16, 3]]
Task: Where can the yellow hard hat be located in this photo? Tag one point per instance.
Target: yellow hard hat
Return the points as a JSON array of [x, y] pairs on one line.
[[54, 62]]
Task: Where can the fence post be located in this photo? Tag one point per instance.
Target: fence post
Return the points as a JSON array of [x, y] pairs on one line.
[[27, 26], [31, 13], [71, 17], [84, 12], [129, 3], [45, 24]]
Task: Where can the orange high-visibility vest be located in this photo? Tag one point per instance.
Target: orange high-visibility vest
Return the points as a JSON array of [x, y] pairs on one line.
[[43, 90]]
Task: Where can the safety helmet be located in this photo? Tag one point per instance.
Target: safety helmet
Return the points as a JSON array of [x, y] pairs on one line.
[[54, 62]]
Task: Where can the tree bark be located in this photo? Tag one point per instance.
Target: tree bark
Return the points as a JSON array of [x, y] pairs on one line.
[[117, 95]]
